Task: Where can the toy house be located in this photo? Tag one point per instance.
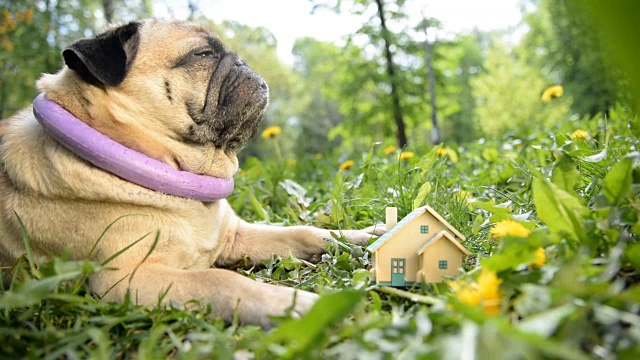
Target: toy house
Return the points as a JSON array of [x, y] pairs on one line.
[[422, 247]]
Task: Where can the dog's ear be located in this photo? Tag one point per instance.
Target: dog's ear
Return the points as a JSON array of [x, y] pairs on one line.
[[106, 58]]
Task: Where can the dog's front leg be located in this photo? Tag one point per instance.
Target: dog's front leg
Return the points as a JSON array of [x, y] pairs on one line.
[[259, 242], [226, 290]]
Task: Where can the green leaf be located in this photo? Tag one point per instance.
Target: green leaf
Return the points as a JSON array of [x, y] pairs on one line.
[[565, 175], [633, 254], [500, 211], [259, 210], [328, 310], [425, 189], [545, 323], [513, 252], [296, 191], [478, 222], [619, 179], [559, 210]]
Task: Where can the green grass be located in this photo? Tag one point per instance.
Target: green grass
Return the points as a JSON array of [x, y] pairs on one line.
[[584, 302]]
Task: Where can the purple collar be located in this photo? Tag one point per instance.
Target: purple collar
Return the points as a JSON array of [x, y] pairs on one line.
[[128, 164]]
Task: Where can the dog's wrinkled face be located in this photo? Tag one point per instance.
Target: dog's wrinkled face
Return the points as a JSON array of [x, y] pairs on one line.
[[174, 80]]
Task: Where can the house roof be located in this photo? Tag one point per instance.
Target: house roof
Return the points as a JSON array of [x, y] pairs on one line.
[[442, 234], [407, 219]]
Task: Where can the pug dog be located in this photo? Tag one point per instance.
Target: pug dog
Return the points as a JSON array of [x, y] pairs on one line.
[[172, 91]]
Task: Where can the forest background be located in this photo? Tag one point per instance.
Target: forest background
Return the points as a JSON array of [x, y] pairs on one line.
[[535, 160], [386, 83]]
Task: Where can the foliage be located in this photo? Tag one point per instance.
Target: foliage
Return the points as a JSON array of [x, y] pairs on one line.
[[549, 202], [614, 25], [32, 36], [575, 198], [508, 94], [563, 42]]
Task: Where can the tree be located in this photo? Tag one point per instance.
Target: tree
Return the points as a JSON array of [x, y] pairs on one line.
[[428, 51], [391, 73], [31, 44], [318, 111], [615, 25], [460, 61], [33, 34], [508, 94], [561, 42], [387, 50]]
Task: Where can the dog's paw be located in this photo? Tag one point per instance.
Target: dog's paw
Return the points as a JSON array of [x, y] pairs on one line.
[[377, 229], [278, 301], [362, 237]]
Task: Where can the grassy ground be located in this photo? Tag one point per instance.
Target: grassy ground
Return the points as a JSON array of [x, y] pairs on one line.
[[571, 194]]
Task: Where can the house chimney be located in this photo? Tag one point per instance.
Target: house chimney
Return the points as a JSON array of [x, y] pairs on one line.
[[392, 217]]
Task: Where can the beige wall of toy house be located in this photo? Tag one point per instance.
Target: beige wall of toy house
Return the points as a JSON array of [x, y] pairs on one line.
[[404, 244], [442, 249]]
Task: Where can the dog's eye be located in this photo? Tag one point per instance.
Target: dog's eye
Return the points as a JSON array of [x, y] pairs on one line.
[[206, 53]]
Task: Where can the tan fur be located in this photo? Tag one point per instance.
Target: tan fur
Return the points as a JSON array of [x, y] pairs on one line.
[[66, 203]]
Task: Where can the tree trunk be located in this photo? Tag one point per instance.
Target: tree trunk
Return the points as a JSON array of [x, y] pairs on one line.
[[108, 10], [397, 110], [435, 130], [193, 7]]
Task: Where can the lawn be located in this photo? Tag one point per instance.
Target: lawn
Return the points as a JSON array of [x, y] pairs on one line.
[[551, 219]]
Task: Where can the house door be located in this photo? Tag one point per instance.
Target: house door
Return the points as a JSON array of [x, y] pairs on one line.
[[397, 271]]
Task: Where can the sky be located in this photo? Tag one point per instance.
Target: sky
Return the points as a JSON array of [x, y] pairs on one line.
[[291, 19]]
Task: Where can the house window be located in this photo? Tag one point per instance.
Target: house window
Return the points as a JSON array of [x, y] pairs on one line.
[[442, 264], [424, 229]]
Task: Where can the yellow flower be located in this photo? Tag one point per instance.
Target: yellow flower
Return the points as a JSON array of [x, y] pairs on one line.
[[580, 134], [291, 162], [318, 156], [466, 293], [347, 165], [489, 288], [509, 228], [445, 151], [389, 149], [541, 258], [406, 155], [552, 92], [7, 44], [271, 132], [485, 292]]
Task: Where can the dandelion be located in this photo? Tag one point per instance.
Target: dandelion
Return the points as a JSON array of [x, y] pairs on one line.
[[580, 134], [509, 228], [406, 155], [389, 150], [445, 151], [271, 132], [467, 293], [552, 92], [485, 292], [7, 44], [541, 258], [490, 295], [291, 162], [347, 165], [318, 156]]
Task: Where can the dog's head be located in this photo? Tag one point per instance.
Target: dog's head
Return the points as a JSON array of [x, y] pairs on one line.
[[169, 89]]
